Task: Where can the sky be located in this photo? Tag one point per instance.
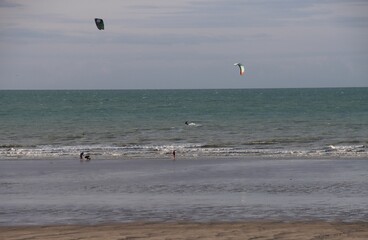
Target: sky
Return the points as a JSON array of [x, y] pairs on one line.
[[183, 44]]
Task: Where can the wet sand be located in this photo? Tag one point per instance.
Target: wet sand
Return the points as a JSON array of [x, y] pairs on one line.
[[237, 230], [66, 192]]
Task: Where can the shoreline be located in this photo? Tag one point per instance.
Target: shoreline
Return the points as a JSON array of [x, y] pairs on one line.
[[168, 157], [302, 230]]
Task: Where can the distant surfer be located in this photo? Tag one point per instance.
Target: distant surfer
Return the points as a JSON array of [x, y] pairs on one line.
[[173, 154], [191, 124], [82, 155]]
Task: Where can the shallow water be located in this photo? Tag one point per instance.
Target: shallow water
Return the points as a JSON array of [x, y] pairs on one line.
[[38, 192]]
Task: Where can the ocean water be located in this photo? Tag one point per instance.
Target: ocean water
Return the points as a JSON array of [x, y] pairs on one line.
[[146, 124]]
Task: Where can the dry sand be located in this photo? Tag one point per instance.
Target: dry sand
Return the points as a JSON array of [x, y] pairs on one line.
[[241, 230]]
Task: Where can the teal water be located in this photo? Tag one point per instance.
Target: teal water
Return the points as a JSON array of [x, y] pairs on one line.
[[151, 123]]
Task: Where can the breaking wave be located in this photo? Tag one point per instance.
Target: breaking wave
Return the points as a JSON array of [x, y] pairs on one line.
[[183, 150]]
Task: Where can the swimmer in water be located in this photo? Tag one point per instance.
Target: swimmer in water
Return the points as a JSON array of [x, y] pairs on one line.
[[186, 123]]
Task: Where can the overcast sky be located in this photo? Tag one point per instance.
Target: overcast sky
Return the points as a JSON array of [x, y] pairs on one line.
[[175, 44]]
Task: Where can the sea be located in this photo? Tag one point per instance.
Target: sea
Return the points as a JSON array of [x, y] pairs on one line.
[[126, 124], [241, 155]]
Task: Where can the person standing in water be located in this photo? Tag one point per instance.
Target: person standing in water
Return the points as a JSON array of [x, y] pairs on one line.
[[173, 154], [87, 157]]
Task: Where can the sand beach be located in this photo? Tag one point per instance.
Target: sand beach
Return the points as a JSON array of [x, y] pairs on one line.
[[237, 230]]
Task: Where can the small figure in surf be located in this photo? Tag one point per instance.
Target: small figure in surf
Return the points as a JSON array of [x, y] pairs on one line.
[[191, 123], [86, 157], [173, 154]]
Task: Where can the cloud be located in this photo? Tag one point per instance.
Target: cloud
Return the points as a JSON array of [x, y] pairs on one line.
[[352, 21], [8, 4], [233, 13]]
